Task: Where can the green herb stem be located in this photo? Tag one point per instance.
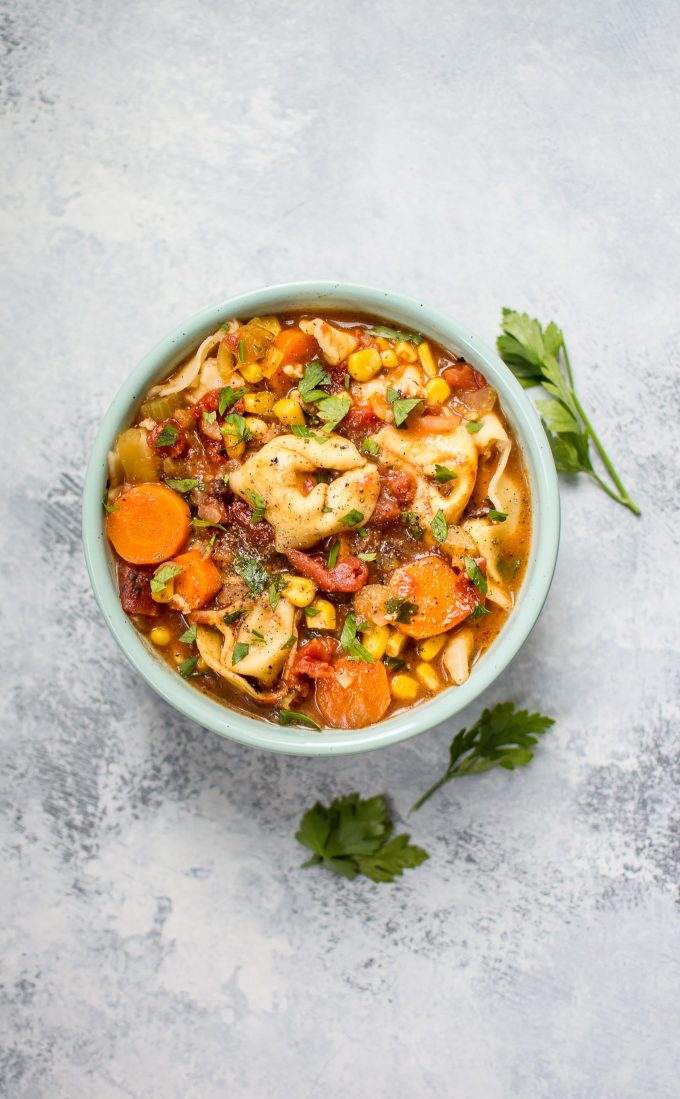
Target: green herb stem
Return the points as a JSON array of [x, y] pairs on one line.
[[623, 498]]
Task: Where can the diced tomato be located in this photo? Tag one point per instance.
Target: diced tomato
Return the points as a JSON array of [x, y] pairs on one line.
[[463, 376], [400, 485], [134, 586], [308, 483], [259, 535], [360, 422], [348, 574], [312, 661]]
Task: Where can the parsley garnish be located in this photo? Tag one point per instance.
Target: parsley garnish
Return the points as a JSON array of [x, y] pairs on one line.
[[229, 397], [473, 426], [439, 526], [311, 612], [232, 616], [402, 609], [412, 523], [257, 503], [290, 642], [294, 717], [236, 429], [326, 510], [396, 334], [304, 432], [501, 737], [182, 484], [109, 508], [333, 555], [277, 582], [315, 375], [210, 417], [367, 556], [478, 611], [497, 516], [444, 474], [189, 636], [206, 523], [352, 518], [348, 639], [259, 637], [393, 663], [369, 446], [535, 355], [401, 407], [252, 572], [188, 666], [162, 575], [242, 350], [333, 409], [476, 575], [240, 650], [353, 836], [167, 436]]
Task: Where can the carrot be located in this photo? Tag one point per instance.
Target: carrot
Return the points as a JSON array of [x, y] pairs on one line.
[[357, 694], [149, 525], [443, 598], [295, 345], [198, 581]]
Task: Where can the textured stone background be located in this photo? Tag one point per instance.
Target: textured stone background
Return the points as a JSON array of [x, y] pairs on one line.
[[158, 938]]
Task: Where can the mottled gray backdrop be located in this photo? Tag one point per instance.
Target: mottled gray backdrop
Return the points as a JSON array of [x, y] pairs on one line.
[[158, 938]]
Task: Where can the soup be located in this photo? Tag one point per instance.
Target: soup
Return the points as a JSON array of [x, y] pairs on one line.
[[319, 520]]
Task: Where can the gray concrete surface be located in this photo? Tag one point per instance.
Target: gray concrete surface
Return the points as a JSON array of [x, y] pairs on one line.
[[158, 938]]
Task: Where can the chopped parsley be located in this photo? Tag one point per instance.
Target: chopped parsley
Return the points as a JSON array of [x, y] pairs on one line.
[[162, 575], [257, 503], [109, 508], [315, 375], [396, 334], [369, 446], [367, 556], [402, 609], [476, 575], [289, 643], [412, 523], [253, 573], [294, 717], [210, 417], [352, 518], [496, 516], [311, 612], [443, 474], [478, 611], [232, 616], [188, 666], [333, 555], [473, 426], [228, 397], [236, 429], [277, 582], [401, 406], [439, 526], [167, 436], [259, 637], [333, 409], [182, 484], [189, 636], [348, 639], [241, 650], [206, 523], [305, 433]]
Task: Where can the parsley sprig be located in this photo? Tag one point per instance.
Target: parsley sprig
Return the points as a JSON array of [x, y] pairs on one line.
[[501, 737], [539, 356], [348, 639], [353, 836]]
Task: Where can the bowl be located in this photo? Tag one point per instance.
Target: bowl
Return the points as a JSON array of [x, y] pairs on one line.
[[406, 313]]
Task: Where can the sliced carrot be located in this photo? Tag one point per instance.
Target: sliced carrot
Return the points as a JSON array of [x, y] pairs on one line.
[[295, 345], [443, 597], [198, 581], [149, 525], [357, 694]]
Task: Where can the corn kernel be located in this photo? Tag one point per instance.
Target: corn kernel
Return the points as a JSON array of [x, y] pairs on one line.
[[381, 343], [299, 590], [165, 594], [427, 675], [257, 427], [260, 404], [426, 360], [251, 372], [395, 643], [388, 358], [326, 619], [375, 640], [438, 391], [432, 646], [406, 352], [404, 687], [179, 657], [236, 451], [288, 411], [364, 365], [161, 636]]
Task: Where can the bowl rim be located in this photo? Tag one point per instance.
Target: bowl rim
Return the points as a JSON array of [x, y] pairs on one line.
[[520, 413]]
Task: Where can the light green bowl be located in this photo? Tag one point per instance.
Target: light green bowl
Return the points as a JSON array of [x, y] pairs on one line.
[[407, 313]]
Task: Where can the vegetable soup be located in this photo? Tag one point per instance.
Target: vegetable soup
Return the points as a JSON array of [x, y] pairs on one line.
[[319, 520]]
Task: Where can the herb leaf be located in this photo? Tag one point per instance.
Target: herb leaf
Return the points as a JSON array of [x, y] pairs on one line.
[[478, 611], [439, 526], [501, 737], [315, 375], [539, 356], [252, 572], [109, 508], [305, 433], [257, 503], [229, 397], [348, 639], [496, 516], [397, 334], [333, 555], [367, 556], [277, 583], [235, 429], [353, 836], [182, 484], [333, 409], [401, 406], [476, 575], [352, 518], [189, 636], [369, 446], [162, 575], [206, 523], [188, 666], [232, 616], [402, 609], [294, 717], [167, 436], [473, 426], [444, 474], [240, 651], [411, 521]]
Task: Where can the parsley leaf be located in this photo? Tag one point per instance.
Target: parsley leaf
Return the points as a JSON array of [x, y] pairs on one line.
[[109, 508], [478, 611], [412, 523], [397, 334], [235, 429], [473, 426], [444, 474], [353, 836], [229, 397], [401, 407], [188, 666], [257, 503], [242, 350], [352, 518], [162, 575], [333, 409], [315, 375], [206, 523], [539, 356], [232, 616], [290, 642], [311, 612], [189, 636], [348, 639], [496, 516], [476, 575], [367, 556], [501, 737], [240, 650], [277, 582], [259, 637], [304, 433], [294, 717], [333, 555], [402, 609], [439, 526], [182, 484], [369, 446], [252, 572], [167, 436]]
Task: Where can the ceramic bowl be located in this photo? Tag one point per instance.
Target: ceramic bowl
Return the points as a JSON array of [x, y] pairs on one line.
[[404, 312]]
